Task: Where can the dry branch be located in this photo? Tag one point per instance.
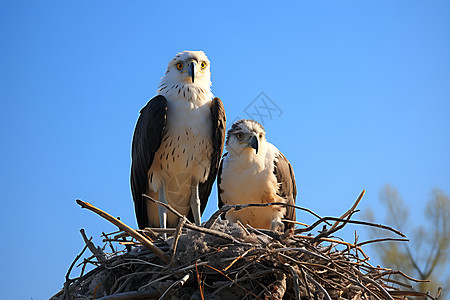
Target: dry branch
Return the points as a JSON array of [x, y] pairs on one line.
[[122, 226]]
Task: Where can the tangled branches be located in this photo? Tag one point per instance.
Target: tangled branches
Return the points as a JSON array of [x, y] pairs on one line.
[[222, 260]]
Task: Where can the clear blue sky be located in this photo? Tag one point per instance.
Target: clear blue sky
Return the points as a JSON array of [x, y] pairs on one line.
[[363, 86]]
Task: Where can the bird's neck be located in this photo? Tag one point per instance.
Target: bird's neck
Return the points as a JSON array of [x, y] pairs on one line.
[[194, 93], [249, 159]]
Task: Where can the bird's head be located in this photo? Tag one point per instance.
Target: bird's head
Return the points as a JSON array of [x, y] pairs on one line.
[[246, 136], [189, 67]]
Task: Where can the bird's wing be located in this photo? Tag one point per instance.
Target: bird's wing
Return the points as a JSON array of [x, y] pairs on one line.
[[219, 182], [218, 138], [146, 141], [286, 186]]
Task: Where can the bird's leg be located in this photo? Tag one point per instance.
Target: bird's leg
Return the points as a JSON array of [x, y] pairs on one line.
[[195, 202], [162, 211]]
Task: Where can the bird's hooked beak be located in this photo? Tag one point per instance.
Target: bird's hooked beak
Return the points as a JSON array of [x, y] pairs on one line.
[[192, 70], [254, 143]]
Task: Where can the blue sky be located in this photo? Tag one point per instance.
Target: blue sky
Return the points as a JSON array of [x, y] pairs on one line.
[[363, 88]]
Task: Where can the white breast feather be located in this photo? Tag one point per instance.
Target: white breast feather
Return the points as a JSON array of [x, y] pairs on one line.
[[185, 151], [247, 181]]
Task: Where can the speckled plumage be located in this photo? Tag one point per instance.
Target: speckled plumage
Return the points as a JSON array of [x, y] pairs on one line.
[[190, 144]]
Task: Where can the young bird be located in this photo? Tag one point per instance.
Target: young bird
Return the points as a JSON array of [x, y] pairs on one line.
[[255, 171]]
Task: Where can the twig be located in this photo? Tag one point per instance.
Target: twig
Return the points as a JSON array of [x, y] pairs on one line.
[[143, 240], [320, 287], [166, 206], [410, 293], [130, 261], [315, 224], [404, 275], [101, 257], [296, 280], [144, 294], [301, 250], [307, 237], [390, 280], [199, 281], [173, 273], [182, 281], [110, 244], [326, 233], [158, 230], [294, 222], [68, 280], [180, 225], [381, 240], [115, 289], [306, 281], [238, 258], [233, 281], [219, 234], [243, 227], [260, 233], [351, 210], [380, 288]]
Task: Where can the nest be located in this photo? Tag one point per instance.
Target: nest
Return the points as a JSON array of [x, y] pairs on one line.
[[222, 260]]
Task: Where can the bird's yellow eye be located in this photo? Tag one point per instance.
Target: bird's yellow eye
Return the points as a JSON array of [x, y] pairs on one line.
[[179, 66], [260, 135], [203, 65], [239, 135]]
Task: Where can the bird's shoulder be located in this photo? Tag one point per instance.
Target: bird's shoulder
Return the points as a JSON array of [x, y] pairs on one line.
[[272, 153], [157, 103]]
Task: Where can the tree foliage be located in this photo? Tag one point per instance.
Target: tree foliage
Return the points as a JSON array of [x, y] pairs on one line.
[[427, 255]]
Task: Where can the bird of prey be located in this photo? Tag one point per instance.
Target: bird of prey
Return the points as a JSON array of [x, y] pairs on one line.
[[177, 144], [255, 171]]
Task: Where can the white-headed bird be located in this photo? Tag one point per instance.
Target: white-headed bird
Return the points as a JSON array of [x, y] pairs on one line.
[[255, 171], [177, 144]]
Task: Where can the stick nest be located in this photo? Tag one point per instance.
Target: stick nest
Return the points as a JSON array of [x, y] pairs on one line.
[[222, 260]]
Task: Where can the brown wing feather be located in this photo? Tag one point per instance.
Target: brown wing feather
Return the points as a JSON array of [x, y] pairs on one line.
[[146, 141], [287, 188]]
